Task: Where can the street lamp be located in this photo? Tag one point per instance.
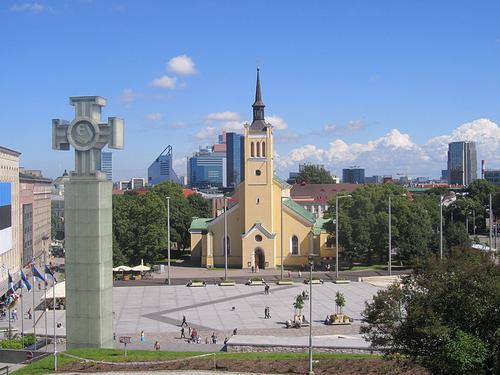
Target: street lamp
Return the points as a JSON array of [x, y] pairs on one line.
[[390, 235], [311, 264], [337, 197], [441, 226], [225, 238], [168, 240]]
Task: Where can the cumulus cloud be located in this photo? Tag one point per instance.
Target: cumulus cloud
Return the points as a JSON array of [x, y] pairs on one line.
[[207, 133], [182, 64], [222, 116], [128, 96], [180, 166], [165, 82], [351, 127], [277, 122], [155, 116], [396, 152], [34, 7]]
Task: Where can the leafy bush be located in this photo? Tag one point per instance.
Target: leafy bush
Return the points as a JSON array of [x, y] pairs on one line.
[[17, 343]]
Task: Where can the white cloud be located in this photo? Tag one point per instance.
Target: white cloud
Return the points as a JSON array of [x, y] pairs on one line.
[[182, 64], [180, 166], [396, 152], [164, 82], [155, 116], [222, 116], [351, 127], [207, 133], [128, 96], [34, 7], [277, 122], [179, 125]]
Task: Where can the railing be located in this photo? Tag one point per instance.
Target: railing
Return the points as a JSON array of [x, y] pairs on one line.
[[4, 370]]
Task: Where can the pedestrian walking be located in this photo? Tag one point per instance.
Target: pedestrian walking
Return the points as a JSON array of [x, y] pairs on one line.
[[265, 312], [266, 289], [143, 338], [300, 274], [235, 331], [157, 345], [214, 338], [184, 321], [14, 314], [183, 335], [29, 314], [268, 312]]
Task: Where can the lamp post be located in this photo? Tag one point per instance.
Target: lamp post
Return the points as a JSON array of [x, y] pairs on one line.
[[390, 239], [168, 240], [225, 238], [311, 264], [441, 226], [491, 223], [337, 197]]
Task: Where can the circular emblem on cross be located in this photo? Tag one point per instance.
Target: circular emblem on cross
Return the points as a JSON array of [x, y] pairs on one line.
[[83, 134]]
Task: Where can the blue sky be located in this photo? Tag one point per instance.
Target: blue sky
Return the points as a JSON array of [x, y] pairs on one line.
[[384, 85]]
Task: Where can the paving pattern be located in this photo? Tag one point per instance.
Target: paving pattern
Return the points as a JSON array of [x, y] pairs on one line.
[[159, 309]]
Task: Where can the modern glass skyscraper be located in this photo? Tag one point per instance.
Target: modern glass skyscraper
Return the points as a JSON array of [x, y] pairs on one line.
[[462, 163], [235, 159], [106, 165], [207, 168], [161, 169], [353, 176]]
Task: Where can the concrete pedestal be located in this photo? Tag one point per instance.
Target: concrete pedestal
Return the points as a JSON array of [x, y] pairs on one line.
[[89, 261]]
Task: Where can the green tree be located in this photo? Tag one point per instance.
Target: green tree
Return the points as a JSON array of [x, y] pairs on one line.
[[139, 228], [445, 315], [200, 207], [339, 302], [180, 212], [456, 235], [313, 174]]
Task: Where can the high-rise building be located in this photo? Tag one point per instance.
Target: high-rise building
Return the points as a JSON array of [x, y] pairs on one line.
[[492, 175], [207, 168], [161, 169], [10, 235], [353, 175], [106, 164], [137, 183], [462, 163], [234, 158]]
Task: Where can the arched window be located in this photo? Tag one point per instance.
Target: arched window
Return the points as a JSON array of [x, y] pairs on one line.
[[295, 245], [252, 151], [228, 246], [258, 149], [263, 149]]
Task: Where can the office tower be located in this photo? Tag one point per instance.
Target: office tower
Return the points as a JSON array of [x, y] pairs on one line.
[[234, 159], [353, 175], [106, 164], [161, 169], [207, 168], [462, 163]]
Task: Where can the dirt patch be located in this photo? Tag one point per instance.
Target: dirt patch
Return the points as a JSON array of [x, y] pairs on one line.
[[327, 366]]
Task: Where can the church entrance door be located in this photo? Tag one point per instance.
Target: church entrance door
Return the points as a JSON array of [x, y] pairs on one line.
[[259, 258]]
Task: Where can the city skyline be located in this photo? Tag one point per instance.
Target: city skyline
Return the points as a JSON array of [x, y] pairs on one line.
[[387, 101]]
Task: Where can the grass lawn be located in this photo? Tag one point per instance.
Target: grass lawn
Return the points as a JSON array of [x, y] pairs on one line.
[[46, 365], [373, 267]]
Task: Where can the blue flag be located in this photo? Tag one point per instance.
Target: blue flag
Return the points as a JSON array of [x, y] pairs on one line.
[[49, 272], [25, 281], [37, 274]]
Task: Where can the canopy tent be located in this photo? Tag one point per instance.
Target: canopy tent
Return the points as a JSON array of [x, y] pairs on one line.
[[141, 267], [60, 291], [122, 268]]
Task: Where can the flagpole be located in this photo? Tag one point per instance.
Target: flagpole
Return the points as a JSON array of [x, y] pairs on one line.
[[45, 302], [34, 310], [54, 310], [22, 316]]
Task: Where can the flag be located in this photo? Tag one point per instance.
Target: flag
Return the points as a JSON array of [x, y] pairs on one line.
[[37, 274], [49, 272], [11, 283], [25, 281]]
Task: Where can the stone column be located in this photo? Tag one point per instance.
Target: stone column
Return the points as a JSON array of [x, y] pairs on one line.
[[89, 261]]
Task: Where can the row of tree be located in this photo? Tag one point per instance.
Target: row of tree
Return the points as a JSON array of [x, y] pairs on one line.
[[364, 221], [140, 222]]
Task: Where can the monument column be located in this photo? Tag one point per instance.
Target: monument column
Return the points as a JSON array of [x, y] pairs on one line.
[[88, 224]]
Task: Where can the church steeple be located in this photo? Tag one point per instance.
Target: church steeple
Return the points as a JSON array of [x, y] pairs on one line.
[[258, 123]]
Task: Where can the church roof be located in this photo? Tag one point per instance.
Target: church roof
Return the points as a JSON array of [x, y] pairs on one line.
[[261, 228], [258, 122], [199, 224], [299, 210]]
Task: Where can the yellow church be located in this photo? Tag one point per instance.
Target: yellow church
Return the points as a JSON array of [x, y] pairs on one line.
[[264, 225]]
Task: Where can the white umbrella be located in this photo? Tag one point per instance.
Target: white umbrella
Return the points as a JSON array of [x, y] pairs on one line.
[[141, 267], [122, 268]]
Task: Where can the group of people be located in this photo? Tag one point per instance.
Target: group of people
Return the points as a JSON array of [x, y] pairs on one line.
[[267, 312], [194, 336], [297, 322], [13, 314]]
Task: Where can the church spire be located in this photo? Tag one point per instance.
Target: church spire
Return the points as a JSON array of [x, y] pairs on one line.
[[258, 106]]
